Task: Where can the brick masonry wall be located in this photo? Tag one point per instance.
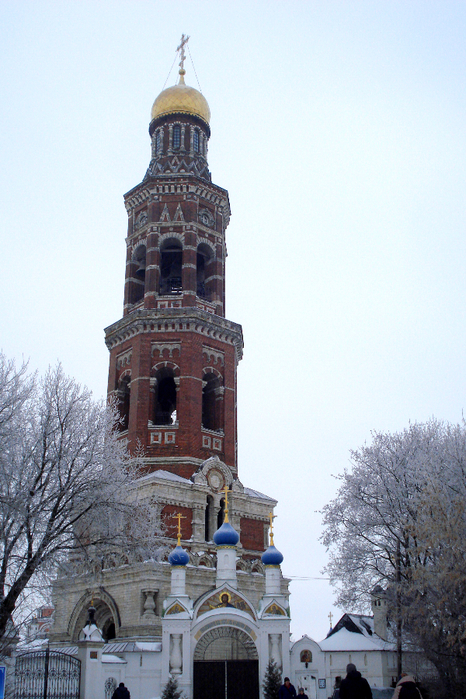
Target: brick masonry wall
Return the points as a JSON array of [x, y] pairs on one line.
[[171, 523], [252, 534]]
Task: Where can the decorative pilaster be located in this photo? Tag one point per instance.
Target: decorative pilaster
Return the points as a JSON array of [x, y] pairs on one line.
[[275, 648], [149, 614], [176, 657]]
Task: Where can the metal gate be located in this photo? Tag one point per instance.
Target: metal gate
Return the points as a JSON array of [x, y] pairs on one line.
[[47, 674], [226, 679]]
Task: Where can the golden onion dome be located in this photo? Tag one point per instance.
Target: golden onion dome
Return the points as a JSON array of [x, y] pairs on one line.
[[181, 99]]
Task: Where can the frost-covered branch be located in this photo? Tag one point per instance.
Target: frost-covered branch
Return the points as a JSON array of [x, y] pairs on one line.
[[406, 493], [67, 483]]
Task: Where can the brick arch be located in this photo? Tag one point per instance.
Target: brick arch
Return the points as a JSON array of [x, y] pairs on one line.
[[222, 642], [242, 565], [165, 365], [142, 242], [172, 235], [257, 567], [208, 243], [206, 560], [124, 374], [210, 370]]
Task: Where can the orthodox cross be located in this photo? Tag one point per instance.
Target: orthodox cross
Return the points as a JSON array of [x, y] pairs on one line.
[[179, 517], [330, 616], [271, 518], [184, 40], [225, 517]]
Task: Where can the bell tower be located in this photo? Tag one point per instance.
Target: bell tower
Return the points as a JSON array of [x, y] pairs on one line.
[[173, 354], [173, 363]]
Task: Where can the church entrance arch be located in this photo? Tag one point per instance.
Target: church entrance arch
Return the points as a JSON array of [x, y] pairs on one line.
[[226, 665], [106, 615]]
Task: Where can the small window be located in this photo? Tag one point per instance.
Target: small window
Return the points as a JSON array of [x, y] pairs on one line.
[[196, 141], [157, 142], [176, 136], [170, 267], [165, 402], [211, 406], [124, 400]]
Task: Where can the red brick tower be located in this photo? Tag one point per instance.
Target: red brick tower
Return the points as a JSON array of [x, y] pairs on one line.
[[173, 360], [173, 354]]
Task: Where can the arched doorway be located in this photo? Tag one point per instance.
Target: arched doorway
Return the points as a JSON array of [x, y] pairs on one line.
[[226, 665], [106, 615]]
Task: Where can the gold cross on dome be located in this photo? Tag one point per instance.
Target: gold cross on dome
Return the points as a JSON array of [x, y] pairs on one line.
[[225, 517], [179, 517], [271, 518], [180, 48]]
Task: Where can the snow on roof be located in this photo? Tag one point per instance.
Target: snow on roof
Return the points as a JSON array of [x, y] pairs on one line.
[[345, 640], [364, 623], [109, 658], [165, 476], [154, 646], [256, 494], [36, 644]]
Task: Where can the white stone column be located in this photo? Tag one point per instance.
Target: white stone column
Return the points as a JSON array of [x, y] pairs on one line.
[[275, 648], [149, 605], [176, 659], [198, 523]]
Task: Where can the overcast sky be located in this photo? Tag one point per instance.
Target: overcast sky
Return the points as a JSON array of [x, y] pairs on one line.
[[339, 130]]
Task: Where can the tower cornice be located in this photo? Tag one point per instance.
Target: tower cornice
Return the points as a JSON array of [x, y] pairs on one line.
[[168, 184], [181, 320]]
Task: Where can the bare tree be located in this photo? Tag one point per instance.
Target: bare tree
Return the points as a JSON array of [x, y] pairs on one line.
[[67, 483], [399, 520]]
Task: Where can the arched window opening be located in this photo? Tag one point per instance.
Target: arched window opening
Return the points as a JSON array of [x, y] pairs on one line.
[[204, 255], [221, 513], [158, 140], [139, 274], [170, 268], [176, 136], [208, 512], [165, 399], [211, 403], [196, 141], [124, 399], [108, 631]]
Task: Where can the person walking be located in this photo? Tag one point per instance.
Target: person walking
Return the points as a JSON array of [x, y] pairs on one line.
[[406, 688], [301, 694], [287, 691], [354, 686], [121, 692]]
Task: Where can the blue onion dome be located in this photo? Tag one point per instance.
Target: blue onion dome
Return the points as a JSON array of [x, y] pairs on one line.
[[272, 557], [226, 535], [178, 557]]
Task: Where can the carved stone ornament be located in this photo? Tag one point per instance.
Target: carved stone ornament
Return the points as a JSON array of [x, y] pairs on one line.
[[213, 465], [206, 218], [141, 219], [216, 480]]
